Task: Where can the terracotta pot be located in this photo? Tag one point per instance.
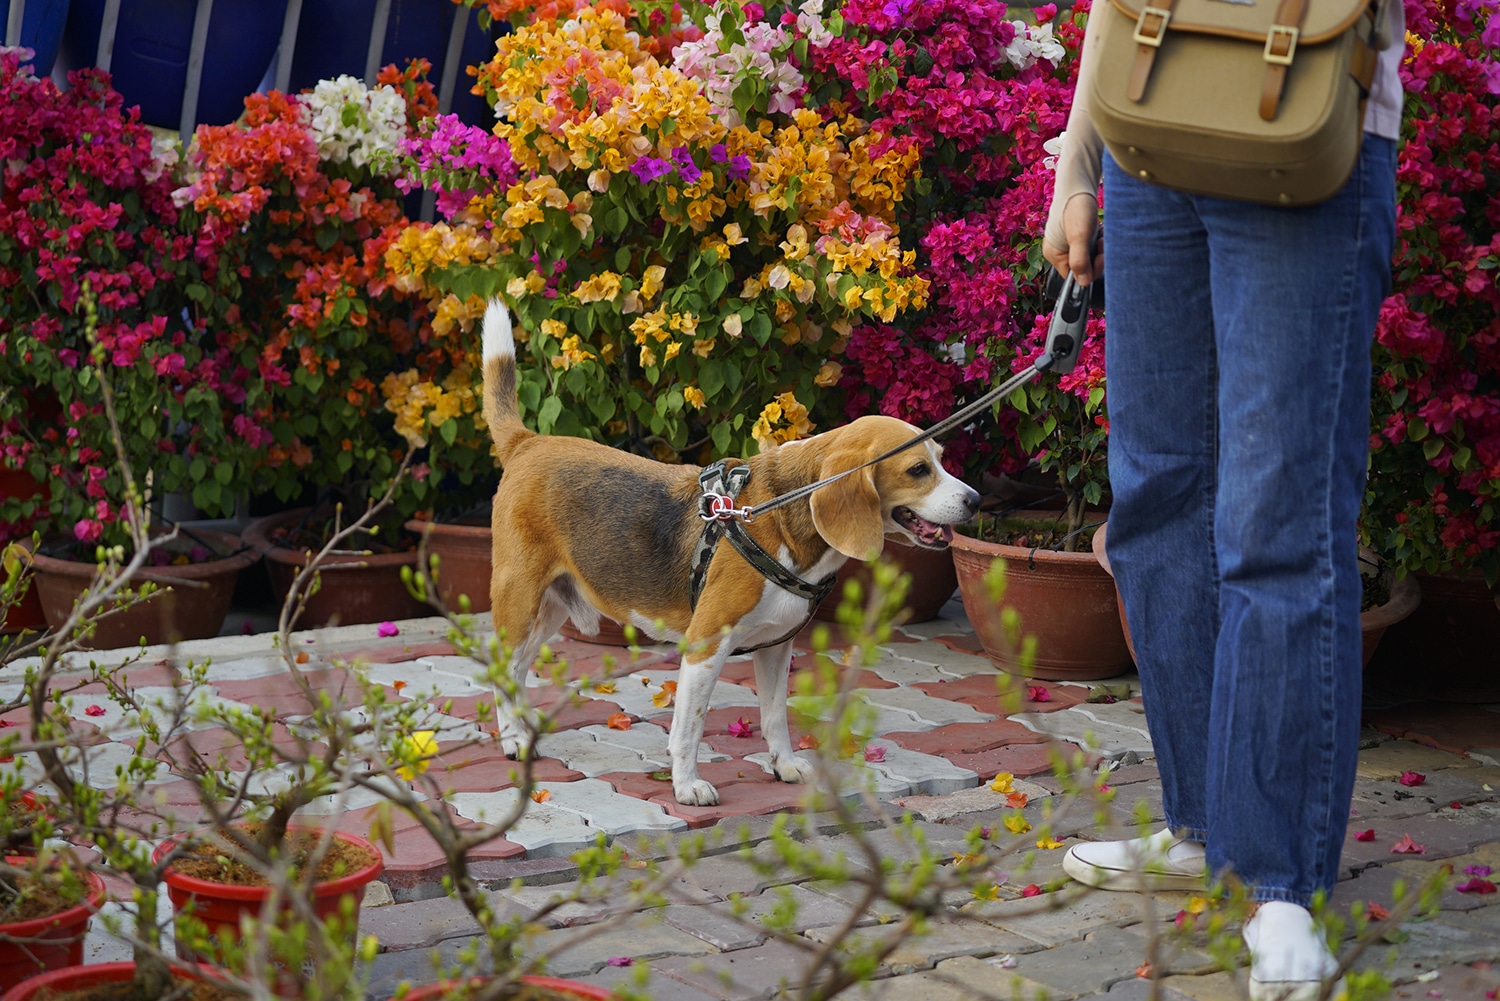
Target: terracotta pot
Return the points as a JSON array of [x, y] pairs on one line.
[[1445, 650], [54, 941], [356, 587], [26, 613], [465, 561], [1405, 597], [220, 905], [78, 978], [179, 613], [933, 581], [1066, 600], [563, 988]]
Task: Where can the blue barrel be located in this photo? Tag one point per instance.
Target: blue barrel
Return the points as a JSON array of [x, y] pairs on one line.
[[151, 50], [333, 39], [42, 30]]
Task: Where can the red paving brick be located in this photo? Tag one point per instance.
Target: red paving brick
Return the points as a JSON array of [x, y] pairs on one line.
[[737, 799], [966, 738], [395, 653]]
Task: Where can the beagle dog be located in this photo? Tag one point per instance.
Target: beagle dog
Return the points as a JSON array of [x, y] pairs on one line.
[[582, 529]]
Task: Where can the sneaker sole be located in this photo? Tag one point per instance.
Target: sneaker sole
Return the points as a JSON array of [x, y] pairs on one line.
[[1292, 990], [1130, 879]]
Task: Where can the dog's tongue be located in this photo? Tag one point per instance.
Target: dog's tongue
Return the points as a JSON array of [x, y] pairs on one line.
[[947, 533]]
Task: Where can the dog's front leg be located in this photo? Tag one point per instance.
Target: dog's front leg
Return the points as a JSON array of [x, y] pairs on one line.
[[773, 666], [695, 689]]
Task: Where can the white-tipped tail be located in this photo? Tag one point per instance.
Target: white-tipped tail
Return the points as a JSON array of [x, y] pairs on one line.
[[498, 342]]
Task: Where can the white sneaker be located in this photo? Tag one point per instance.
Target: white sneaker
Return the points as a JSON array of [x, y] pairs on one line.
[[1162, 861], [1289, 958]]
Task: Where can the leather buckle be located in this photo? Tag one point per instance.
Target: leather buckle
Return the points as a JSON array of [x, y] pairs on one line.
[[1277, 33], [1148, 35]]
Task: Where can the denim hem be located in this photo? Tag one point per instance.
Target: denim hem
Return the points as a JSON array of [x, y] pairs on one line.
[[1262, 894], [1189, 832]]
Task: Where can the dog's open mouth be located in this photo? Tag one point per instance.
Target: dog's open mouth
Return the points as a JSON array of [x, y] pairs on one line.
[[926, 533]]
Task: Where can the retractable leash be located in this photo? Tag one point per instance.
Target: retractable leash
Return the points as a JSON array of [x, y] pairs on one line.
[[1065, 337]]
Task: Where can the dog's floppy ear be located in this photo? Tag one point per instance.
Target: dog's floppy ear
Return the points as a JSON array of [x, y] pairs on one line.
[[847, 513]]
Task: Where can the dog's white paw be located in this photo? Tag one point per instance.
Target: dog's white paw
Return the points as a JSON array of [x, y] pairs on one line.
[[516, 746], [792, 769], [695, 793]]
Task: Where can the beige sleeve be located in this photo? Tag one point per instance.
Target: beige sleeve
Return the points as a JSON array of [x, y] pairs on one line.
[[1080, 165]]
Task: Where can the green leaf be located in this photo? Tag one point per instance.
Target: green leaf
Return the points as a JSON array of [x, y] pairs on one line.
[[622, 256], [546, 417], [715, 285], [449, 431], [720, 434], [326, 238], [711, 377]]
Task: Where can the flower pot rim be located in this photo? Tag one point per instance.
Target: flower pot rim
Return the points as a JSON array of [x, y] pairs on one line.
[[257, 537], [1406, 595], [227, 891], [77, 914], [240, 557], [970, 544], [96, 973], [570, 988], [423, 527]]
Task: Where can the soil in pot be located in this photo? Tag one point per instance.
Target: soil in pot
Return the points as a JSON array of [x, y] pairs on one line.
[[358, 585], [43, 921], [1065, 599], [196, 571]]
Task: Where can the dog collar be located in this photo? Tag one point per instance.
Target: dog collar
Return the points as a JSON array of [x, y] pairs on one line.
[[721, 487]]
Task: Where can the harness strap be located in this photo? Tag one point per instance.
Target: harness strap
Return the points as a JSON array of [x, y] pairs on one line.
[[718, 483]]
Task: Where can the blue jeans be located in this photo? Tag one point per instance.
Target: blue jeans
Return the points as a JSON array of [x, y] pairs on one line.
[[1238, 356]]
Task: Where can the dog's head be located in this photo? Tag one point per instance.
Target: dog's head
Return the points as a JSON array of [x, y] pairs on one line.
[[909, 495]]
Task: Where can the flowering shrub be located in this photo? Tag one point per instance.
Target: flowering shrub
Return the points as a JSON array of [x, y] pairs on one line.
[[978, 97], [684, 244], [1433, 499], [87, 222], [299, 208]]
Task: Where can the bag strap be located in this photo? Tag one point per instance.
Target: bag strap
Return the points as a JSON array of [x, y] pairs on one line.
[[1150, 31], [1281, 45]]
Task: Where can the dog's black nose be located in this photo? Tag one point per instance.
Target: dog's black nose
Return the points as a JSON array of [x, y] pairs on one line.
[[971, 502]]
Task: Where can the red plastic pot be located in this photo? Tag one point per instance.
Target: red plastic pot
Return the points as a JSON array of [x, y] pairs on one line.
[[565, 988], [220, 905], [78, 978], [55, 941]]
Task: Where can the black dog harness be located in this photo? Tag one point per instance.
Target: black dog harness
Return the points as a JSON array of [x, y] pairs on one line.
[[721, 520]]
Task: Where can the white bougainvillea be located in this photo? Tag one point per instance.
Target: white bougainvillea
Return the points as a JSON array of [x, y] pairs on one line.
[[354, 123]]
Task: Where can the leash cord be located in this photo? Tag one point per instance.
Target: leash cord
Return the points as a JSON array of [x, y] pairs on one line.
[[1015, 382]]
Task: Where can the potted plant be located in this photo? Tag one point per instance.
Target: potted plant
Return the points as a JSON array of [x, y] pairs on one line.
[[98, 276], [299, 208], [1432, 500], [44, 915], [676, 275]]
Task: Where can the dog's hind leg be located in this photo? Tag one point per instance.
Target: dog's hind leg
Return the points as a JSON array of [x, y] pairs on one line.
[[773, 666], [695, 688], [515, 719]]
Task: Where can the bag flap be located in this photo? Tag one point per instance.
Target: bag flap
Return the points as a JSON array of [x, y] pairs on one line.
[[1251, 19]]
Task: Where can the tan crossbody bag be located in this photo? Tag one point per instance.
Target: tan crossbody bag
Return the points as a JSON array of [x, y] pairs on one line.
[[1256, 100]]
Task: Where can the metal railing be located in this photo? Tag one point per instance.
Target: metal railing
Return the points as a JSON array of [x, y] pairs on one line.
[[189, 121]]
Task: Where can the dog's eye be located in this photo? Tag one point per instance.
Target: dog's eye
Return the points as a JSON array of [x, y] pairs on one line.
[[918, 471]]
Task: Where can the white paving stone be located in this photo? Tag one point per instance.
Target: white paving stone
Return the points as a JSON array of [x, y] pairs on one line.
[[204, 712], [925, 774], [611, 812], [880, 719], [103, 760], [423, 681], [543, 830], [953, 663], [1127, 714], [848, 777], [582, 753], [247, 668], [649, 741], [923, 707], [974, 799], [1107, 738], [899, 670]]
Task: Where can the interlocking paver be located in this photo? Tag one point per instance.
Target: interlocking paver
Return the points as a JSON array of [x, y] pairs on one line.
[[923, 707], [951, 662], [611, 812], [1076, 726], [648, 741], [543, 829]]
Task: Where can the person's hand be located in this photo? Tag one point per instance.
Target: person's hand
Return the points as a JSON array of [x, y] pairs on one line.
[[1079, 219]]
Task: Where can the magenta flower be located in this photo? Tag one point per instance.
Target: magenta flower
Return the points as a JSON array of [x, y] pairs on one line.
[[387, 629]]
